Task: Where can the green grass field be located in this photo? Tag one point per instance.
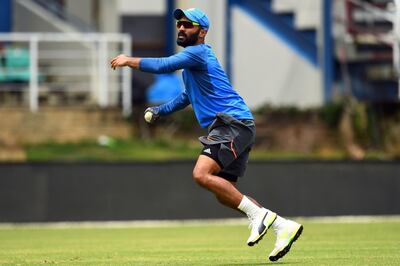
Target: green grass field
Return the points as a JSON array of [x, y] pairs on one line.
[[161, 150], [158, 149], [376, 243]]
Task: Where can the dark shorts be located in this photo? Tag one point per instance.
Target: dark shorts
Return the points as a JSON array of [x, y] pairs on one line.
[[229, 142]]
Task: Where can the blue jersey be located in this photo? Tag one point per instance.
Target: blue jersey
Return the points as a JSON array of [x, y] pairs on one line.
[[207, 87]]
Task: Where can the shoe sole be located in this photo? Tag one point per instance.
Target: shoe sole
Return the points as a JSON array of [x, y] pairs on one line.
[[250, 244], [284, 251]]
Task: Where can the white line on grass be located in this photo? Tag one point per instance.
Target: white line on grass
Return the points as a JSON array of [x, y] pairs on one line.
[[192, 223]]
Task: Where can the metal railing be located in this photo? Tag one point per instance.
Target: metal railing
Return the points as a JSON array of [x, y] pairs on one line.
[[76, 62], [371, 24], [396, 42]]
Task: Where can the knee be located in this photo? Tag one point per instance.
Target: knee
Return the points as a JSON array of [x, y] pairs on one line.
[[201, 177]]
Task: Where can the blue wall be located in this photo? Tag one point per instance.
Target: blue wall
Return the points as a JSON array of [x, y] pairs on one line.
[[5, 15]]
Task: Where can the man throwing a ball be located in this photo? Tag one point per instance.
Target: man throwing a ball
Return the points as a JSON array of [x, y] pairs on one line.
[[231, 128]]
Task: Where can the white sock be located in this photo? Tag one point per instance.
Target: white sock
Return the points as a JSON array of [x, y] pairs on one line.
[[249, 207], [278, 223]]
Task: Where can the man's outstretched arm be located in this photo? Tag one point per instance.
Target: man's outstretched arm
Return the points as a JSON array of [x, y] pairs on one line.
[[123, 60], [183, 59]]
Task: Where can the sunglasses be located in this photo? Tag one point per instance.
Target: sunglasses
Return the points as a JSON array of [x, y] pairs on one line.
[[186, 24]]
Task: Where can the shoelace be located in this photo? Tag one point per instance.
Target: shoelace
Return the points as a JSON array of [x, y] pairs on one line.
[[251, 222], [252, 219]]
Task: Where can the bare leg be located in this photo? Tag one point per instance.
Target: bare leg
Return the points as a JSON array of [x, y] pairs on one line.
[[225, 191], [204, 173]]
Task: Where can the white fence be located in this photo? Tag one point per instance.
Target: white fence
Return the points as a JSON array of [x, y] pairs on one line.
[[75, 62], [396, 43]]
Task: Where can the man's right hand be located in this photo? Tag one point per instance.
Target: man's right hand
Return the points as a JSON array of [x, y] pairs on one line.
[[151, 114]]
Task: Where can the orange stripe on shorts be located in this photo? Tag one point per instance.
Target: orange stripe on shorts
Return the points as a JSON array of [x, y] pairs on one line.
[[233, 150]]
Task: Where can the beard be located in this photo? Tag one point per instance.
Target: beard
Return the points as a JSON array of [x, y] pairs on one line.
[[185, 40]]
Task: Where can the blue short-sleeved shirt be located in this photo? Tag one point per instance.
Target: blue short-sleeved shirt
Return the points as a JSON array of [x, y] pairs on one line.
[[207, 87]]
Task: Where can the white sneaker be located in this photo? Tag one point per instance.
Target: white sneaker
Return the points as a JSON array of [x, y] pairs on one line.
[[259, 226], [289, 233]]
